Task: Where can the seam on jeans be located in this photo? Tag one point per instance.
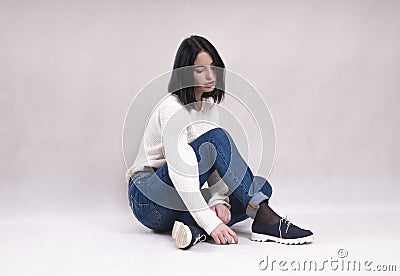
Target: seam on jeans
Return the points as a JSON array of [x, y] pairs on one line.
[[156, 213], [230, 170], [143, 177], [131, 204], [136, 178], [226, 163], [211, 140], [152, 208]]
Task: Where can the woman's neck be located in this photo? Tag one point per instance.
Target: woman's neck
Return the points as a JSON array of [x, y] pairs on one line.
[[198, 103], [197, 95]]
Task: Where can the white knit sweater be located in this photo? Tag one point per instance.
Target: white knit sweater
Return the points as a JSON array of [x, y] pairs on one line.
[[170, 129]]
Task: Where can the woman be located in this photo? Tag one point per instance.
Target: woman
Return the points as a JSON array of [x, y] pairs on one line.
[[184, 147]]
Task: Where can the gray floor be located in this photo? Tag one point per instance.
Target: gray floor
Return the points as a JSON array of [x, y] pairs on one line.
[[116, 244]]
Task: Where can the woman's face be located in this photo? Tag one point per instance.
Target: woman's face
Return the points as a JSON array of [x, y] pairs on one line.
[[204, 73]]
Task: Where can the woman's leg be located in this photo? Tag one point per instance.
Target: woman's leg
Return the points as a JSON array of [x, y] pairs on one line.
[[155, 202], [216, 149], [238, 212], [143, 209]]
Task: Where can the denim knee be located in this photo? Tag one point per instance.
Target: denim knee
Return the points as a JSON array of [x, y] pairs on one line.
[[219, 133]]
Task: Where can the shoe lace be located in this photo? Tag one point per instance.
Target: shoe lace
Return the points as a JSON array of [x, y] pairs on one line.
[[199, 238], [283, 220]]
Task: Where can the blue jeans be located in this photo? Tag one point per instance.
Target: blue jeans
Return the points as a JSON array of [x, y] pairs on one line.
[[215, 150]]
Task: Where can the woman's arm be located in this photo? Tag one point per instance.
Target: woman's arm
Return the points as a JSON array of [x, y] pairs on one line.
[[218, 189], [183, 167]]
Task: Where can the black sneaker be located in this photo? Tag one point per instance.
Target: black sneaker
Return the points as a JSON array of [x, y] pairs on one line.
[[282, 232], [186, 236]]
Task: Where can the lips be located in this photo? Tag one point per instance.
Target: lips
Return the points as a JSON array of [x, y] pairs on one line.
[[212, 83]]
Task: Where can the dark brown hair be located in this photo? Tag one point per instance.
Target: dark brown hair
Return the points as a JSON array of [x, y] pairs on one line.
[[185, 56]]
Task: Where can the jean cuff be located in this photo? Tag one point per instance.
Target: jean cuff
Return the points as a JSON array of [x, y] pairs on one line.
[[254, 204]]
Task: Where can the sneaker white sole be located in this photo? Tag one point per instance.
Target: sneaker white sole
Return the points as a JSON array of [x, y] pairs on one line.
[[264, 238], [181, 234]]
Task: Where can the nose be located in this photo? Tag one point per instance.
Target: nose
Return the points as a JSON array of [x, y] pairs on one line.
[[210, 73]]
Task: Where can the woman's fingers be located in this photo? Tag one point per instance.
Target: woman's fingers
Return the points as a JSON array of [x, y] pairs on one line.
[[234, 236], [227, 237], [227, 217], [224, 235], [216, 239], [221, 238], [223, 213]]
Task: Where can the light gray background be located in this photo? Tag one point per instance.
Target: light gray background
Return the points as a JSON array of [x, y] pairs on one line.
[[329, 71]]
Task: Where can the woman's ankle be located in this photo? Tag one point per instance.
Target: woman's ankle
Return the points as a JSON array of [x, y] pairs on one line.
[[266, 215]]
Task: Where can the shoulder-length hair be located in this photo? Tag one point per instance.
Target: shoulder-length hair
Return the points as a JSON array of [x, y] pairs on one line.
[[181, 82]]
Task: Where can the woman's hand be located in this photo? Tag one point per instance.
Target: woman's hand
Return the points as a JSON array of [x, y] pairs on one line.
[[222, 234], [222, 212]]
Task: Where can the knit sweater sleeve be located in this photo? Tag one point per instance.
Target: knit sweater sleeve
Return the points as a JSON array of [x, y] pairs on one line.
[[218, 190], [183, 166]]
